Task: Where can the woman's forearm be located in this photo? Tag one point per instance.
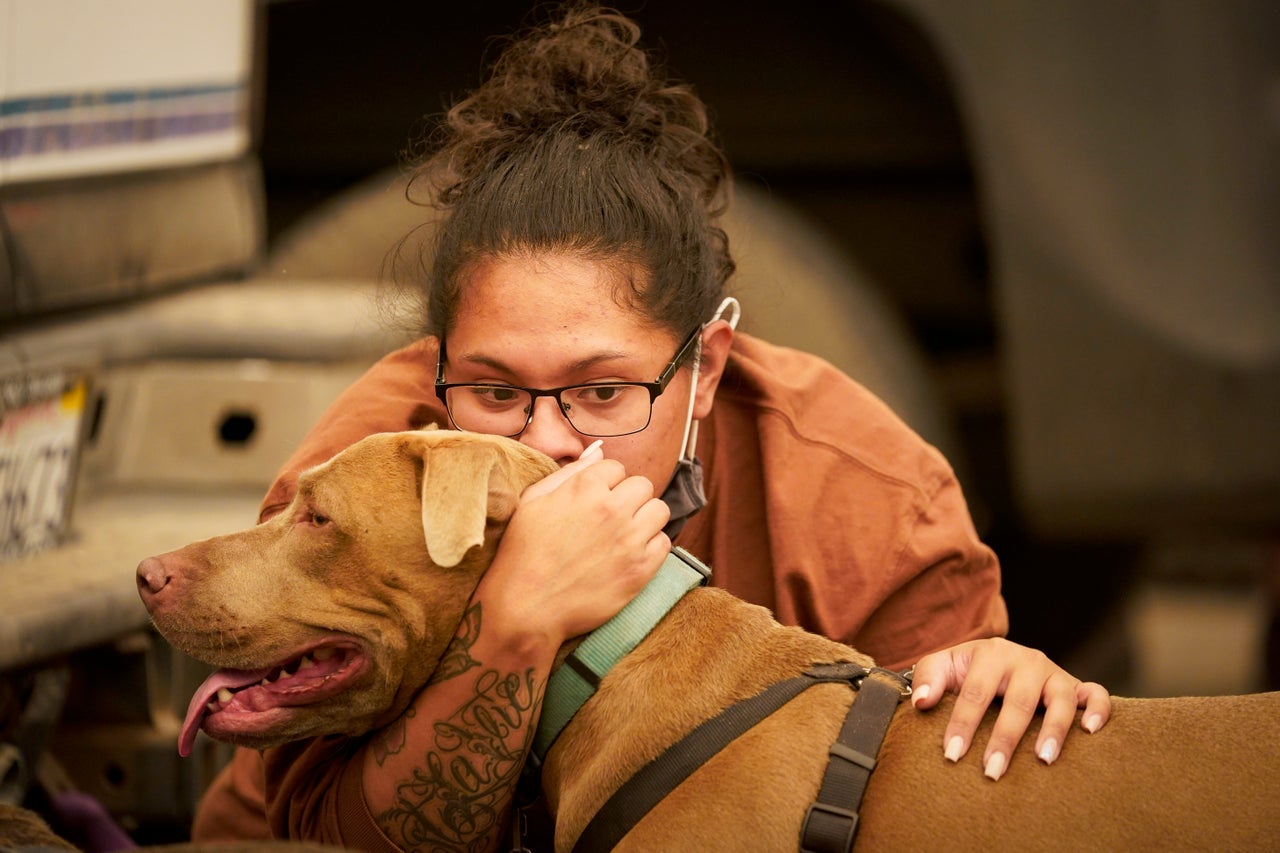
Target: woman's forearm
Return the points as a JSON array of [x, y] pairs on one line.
[[443, 776]]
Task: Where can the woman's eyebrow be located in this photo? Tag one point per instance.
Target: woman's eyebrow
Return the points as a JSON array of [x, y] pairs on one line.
[[585, 363]]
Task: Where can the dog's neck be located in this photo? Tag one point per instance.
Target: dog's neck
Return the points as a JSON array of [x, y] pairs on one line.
[[582, 663]]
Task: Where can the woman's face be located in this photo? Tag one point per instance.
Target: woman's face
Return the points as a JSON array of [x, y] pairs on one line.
[[548, 320]]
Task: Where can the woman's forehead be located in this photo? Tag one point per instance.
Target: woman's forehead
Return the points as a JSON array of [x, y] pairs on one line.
[[558, 346], [551, 292]]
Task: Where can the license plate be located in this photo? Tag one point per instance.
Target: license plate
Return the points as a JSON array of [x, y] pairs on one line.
[[41, 430]]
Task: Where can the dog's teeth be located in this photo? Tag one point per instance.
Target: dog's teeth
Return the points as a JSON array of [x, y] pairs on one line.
[[224, 695], [284, 673], [305, 662], [322, 654], [266, 682], [213, 706]]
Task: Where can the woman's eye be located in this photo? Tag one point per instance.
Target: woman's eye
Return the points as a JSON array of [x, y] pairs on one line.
[[595, 395], [497, 395], [603, 395]]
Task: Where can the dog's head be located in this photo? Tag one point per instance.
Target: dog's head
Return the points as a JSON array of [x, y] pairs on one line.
[[330, 617]]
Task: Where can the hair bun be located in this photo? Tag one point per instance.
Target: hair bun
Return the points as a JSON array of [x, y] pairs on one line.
[[583, 74], [586, 71]]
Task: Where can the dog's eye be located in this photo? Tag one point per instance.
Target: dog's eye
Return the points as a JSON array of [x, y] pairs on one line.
[[317, 519]]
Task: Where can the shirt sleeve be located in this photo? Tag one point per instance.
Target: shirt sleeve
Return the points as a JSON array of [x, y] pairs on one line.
[[234, 806], [891, 567], [948, 587], [315, 792]]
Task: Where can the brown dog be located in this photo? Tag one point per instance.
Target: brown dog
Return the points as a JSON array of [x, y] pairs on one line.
[[335, 613]]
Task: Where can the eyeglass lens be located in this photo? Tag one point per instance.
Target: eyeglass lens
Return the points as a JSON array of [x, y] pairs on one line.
[[598, 410]]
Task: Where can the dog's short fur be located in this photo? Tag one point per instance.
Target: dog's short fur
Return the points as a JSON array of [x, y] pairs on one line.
[[347, 570]]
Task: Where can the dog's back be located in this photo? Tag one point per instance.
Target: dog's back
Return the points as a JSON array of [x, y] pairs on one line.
[[1193, 773], [1197, 773]]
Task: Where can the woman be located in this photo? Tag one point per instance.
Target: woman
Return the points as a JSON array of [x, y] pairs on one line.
[[579, 259]]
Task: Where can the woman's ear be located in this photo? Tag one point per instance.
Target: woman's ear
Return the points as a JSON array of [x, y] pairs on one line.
[[717, 338]]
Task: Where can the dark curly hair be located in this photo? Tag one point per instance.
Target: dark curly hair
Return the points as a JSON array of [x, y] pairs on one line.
[[576, 142]]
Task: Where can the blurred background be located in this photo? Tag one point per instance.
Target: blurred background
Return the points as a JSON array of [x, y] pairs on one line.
[[1043, 232]]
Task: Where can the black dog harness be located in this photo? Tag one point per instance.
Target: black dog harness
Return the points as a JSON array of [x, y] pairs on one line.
[[832, 820]]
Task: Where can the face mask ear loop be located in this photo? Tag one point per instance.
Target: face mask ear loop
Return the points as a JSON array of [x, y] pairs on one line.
[[690, 425], [731, 305], [690, 444]]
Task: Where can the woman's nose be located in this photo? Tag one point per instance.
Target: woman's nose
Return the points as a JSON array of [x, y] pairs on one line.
[[550, 432]]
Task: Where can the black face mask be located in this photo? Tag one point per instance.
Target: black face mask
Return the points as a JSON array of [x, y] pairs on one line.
[[684, 495]]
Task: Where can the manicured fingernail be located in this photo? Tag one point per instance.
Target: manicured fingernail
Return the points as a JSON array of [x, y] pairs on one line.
[[955, 749], [591, 448], [1049, 752], [919, 694], [1092, 723], [995, 766]]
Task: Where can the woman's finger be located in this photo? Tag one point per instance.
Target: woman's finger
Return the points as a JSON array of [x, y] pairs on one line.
[[1026, 687], [931, 677], [1060, 704], [553, 481], [1097, 705], [981, 683]]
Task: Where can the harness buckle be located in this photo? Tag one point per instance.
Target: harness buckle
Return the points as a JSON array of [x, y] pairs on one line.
[[903, 678], [855, 674], [519, 831], [828, 829]]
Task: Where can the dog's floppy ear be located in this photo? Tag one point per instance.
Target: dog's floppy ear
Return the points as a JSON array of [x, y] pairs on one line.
[[463, 485]]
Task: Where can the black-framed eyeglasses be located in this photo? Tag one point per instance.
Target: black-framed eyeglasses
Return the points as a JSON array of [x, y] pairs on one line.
[[597, 409]]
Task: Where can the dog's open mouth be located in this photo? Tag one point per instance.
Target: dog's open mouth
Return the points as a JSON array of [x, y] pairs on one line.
[[237, 701]]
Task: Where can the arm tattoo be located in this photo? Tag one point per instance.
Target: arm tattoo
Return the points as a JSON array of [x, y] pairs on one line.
[[457, 658], [457, 797], [455, 661]]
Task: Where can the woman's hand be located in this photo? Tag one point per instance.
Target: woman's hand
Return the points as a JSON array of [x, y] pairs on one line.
[[979, 671], [583, 542]]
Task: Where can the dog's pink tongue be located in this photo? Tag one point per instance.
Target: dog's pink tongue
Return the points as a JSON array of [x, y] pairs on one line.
[[232, 679]]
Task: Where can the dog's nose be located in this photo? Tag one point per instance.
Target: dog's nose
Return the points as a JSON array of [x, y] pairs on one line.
[[152, 576]]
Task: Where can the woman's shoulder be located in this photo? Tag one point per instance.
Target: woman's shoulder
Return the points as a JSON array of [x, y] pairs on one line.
[[805, 409]]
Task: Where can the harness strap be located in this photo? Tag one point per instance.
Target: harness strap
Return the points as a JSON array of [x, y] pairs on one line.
[[832, 820], [639, 794]]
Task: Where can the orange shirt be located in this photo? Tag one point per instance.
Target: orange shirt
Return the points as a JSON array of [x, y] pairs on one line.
[[822, 505]]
